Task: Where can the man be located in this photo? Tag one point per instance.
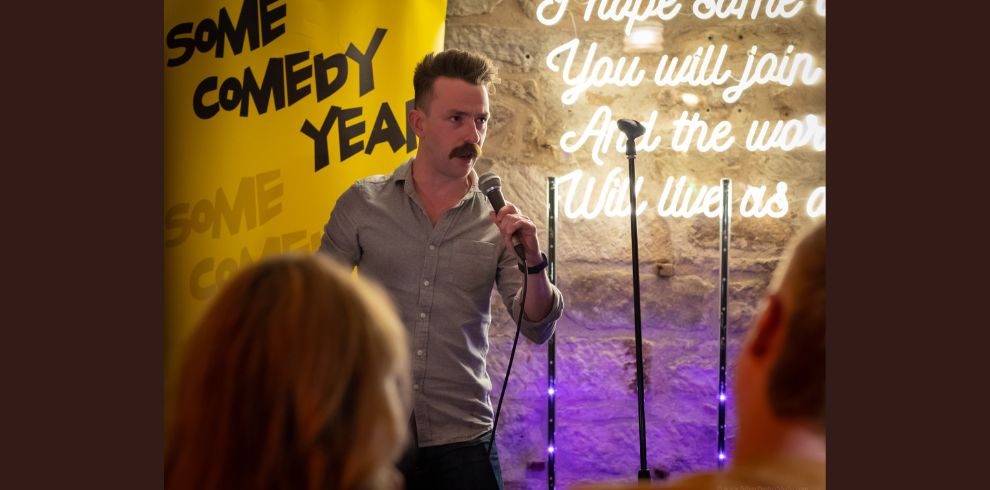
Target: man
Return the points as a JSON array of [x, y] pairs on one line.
[[780, 382], [426, 233]]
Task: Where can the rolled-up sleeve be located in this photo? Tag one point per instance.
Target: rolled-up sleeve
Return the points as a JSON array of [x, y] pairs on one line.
[[509, 281]]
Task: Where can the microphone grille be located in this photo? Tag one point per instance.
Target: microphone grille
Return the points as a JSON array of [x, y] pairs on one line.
[[488, 181]]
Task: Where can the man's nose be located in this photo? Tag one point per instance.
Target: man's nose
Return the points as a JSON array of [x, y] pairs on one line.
[[473, 134]]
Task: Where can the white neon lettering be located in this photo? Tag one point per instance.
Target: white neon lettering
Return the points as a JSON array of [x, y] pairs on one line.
[[705, 9], [812, 125], [793, 135], [692, 69], [787, 135], [610, 10], [612, 198], [778, 200], [722, 129], [756, 10], [707, 201], [690, 132], [582, 211], [685, 131], [752, 205], [702, 68], [602, 128], [617, 203], [680, 198], [549, 21], [586, 197], [749, 203], [713, 202], [771, 69], [781, 8], [598, 73], [816, 203], [570, 47], [811, 74]]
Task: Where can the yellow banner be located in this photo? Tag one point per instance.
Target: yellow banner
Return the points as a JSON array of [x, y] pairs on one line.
[[272, 109]]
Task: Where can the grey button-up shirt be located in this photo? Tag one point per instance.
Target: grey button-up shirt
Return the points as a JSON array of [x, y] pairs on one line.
[[440, 278]]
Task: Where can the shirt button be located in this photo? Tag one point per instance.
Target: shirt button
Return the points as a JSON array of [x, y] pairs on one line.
[[416, 387], [433, 247], [422, 315], [426, 283], [419, 352]]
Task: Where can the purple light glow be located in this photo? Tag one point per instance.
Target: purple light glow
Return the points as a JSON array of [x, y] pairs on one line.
[[721, 456], [721, 397], [550, 449], [551, 391]]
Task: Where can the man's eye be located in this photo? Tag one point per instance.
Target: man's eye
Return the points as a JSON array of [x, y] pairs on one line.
[[455, 118]]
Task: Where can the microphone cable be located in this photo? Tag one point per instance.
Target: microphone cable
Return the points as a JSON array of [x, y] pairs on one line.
[[512, 353]]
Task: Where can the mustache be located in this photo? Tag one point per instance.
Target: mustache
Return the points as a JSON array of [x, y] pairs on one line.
[[469, 150]]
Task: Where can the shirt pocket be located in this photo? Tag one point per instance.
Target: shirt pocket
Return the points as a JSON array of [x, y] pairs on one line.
[[472, 265]]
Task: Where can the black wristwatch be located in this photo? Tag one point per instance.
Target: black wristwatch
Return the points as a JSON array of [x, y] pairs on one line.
[[536, 268]]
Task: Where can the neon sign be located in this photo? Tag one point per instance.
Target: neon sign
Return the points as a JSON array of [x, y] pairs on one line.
[[789, 135], [586, 198], [668, 9], [680, 198], [696, 69]]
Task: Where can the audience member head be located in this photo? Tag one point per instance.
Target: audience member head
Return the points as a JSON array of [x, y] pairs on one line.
[[781, 371], [296, 378]]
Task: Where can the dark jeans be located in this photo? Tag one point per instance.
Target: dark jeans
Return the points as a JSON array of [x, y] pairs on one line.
[[458, 466]]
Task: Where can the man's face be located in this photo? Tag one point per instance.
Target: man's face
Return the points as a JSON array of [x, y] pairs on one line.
[[453, 130]]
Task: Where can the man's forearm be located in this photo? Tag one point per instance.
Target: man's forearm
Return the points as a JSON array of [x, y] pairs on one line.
[[539, 299]]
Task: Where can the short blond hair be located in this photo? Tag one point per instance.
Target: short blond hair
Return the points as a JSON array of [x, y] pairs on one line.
[[297, 377]]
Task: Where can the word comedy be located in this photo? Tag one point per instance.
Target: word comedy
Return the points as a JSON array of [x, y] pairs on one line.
[[287, 79]]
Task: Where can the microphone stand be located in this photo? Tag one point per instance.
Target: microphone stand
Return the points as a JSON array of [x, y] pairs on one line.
[[633, 130]]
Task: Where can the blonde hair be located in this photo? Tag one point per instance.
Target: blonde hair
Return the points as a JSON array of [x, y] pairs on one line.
[[296, 378]]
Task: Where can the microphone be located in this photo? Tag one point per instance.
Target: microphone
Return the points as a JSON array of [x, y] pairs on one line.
[[491, 186], [632, 129]]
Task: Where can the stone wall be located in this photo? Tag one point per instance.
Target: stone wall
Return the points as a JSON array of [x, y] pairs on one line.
[[597, 422]]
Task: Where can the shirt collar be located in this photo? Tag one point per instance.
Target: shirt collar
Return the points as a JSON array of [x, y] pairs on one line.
[[404, 172]]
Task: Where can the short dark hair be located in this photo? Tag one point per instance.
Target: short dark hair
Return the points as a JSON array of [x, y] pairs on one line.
[[452, 63], [797, 379]]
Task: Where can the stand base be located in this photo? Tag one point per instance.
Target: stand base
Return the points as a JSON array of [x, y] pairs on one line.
[[644, 475]]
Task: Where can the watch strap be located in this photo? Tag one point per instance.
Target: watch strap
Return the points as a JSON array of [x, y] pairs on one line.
[[536, 268]]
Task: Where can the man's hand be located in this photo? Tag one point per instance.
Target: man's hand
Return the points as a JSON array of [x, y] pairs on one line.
[[510, 220]]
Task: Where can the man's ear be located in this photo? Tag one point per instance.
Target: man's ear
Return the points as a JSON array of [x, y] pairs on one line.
[[768, 326], [417, 120]]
